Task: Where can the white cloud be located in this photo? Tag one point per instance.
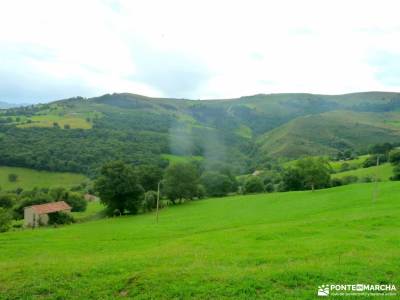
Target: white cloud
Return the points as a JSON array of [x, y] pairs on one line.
[[196, 49]]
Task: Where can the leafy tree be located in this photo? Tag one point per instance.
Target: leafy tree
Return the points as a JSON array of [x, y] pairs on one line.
[[7, 200], [308, 173], [394, 156], [12, 177], [396, 173], [119, 189], [76, 201], [216, 184], [180, 181], [5, 220], [315, 172], [150, 176], [372, 160], [293, 179], [59, 218], [67, 126], [253, 184]]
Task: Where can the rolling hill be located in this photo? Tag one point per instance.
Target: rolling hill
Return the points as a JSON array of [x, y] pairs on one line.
[[79, 134], [266, 246]]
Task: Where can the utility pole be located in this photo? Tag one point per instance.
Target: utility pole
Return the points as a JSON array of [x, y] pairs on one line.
[[158, 200]]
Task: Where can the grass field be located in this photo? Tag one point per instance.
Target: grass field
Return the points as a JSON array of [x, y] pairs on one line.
[[352, 163], [48, 121], [29, 179], [383, 172], [266, 246]]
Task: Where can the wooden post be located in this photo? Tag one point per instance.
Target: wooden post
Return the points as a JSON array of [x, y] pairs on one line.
[[158, 200]]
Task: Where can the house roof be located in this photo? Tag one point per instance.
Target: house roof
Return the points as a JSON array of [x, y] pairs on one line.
[[50, 207]]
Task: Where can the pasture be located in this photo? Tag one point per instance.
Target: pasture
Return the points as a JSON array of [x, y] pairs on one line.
[[263, 246], [29, 179]]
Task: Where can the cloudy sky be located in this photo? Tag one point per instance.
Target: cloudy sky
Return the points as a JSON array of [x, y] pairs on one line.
[[196, 49]]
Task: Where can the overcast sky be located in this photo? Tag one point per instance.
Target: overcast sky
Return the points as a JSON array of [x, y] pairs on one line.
[[196, 49]]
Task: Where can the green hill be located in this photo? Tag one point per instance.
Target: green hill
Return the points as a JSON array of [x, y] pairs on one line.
[[29, 179], [266, 246], [324, 134], [79, 134]]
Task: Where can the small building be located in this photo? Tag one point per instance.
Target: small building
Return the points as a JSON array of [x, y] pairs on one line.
[[36, 215]]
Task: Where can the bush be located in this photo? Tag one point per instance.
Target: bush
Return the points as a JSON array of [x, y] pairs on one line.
[[253, 184], [216, 184], [150, 200], [269, 187], [7, 200], [396, 173], [349, 179], [12, 177], [76, 201], [336, 182], [394, 156], [372, 160], [59, 218], [5, 220]]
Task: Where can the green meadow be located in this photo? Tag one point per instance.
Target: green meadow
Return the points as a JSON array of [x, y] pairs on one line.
[[263, 246], [382, 172], [29, 179]]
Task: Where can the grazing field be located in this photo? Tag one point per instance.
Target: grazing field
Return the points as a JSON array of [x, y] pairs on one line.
[[352, 163], [265, 246], [383, 172], [49, 120], [29, 179]]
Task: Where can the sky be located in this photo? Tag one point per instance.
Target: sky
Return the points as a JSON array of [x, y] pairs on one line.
[[52, 50]]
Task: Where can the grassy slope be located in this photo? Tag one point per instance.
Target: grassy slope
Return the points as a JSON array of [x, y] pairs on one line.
[[29, 179], [383, 172], [325, 133], [180, 159], [267, 246]]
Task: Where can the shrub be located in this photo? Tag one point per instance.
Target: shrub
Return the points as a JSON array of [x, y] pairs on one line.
[[372, 160], [336, 182], [12, 177], [5, 220], [59, 218], [7, 200], [396, 173], [76, 201], [150, 200], [253, 184], [349, 179], [394, 156]]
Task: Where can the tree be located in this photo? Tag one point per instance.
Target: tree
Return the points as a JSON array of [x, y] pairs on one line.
[[119, 189], [394, 156], [216, 184], [12, 177], [67, 126], [7, 200], [5, 220], [396, 173], [315, 171], [253, 184], [149, 176], [308, 173], [180, 181]]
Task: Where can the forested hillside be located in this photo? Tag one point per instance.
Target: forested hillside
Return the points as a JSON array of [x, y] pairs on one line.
[[79, 134]]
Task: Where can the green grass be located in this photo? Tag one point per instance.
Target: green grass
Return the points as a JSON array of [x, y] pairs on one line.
[[180, 159], [29, 179], [93, 211], [383, 172], [266, 246], [49, 120], [352, 163]]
